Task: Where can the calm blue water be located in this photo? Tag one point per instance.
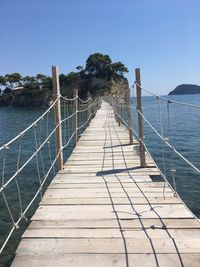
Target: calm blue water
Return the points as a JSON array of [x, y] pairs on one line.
[[185, 135]]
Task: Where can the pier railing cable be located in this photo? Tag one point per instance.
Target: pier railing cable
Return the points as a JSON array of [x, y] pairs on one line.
[[163, 139], [166, 140], [30, 160], [167, 99]]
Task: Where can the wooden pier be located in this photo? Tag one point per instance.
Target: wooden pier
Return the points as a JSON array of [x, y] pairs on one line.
[[103, 209]]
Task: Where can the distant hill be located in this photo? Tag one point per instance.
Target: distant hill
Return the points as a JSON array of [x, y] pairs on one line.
[[186, 89]]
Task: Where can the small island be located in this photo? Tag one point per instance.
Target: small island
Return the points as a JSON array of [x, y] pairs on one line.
[[186, 89], [99, 76]]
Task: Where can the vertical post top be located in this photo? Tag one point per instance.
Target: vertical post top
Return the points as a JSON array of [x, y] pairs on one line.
[[56, 84], [75, 92], [137, 75]]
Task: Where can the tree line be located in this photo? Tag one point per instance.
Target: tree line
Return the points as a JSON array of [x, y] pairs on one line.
[[97, 65]]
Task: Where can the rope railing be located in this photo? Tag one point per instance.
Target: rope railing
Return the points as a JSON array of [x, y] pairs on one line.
[[164, 140], [30, 126], [85, 101], [170, 154], [11, 176], [168, 99], [28, 162]]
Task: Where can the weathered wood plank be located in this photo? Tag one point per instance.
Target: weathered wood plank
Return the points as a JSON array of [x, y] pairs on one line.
[[80, 185], [107, 201], [96, 260], [105, 245], [107, 212], [113, 223], [112, 233]]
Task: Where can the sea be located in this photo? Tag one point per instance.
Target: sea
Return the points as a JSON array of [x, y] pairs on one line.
[[177, 124]]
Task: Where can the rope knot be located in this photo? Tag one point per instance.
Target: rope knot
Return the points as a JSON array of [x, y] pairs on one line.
[[23, 216], [165, 139], [173, 171], [16, 226], [6, 147]]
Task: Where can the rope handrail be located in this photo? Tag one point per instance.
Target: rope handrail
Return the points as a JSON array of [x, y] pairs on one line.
[[161, 173], [73, 134], [39, 145], [30, 158], [76, 97], [83, 110], [15, 225], [85, 101], [139, 139], [163, 140], [69, 117], [39, 148], [79, 111], [68, 99], [42, 116], [168, 99], [169, 145], [30, 126], [92, 113]]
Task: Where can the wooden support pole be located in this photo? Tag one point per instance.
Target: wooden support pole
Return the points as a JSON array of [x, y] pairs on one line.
[[140, 120], [118, 111], [58, 133], [75, 117], [89, 108], [113, 101], [130, 118]]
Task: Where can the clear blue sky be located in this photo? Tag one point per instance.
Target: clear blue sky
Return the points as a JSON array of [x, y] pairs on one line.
[[162, 37]]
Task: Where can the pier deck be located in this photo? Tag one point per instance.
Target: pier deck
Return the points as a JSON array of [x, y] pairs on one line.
[[104, 210]]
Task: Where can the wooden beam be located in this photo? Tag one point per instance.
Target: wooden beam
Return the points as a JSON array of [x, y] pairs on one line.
[[58, 133], [140, 120]]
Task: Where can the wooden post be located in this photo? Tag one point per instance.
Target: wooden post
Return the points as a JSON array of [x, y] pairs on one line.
[[140, 120], [58, 133], [130, 118], [118, 111], [75, 117], [113, 104], [115, 109], [89, 108]]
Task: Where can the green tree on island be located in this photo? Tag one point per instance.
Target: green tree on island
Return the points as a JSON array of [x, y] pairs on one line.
[[100, 65]]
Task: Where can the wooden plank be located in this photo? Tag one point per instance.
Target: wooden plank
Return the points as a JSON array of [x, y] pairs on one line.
[[104, 246], [107, 201], [107, 212], [96, 260], [106, 188], [113, 223], [131, 184], [60, 193], [112, 233]]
